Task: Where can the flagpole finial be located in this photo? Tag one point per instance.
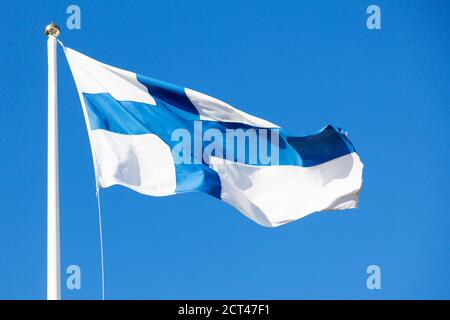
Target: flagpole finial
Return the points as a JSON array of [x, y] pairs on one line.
[[52, 30]]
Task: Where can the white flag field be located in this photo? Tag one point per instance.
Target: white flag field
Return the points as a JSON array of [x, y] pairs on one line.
[[162, 139]]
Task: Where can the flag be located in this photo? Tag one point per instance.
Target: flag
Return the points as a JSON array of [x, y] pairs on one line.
[[161, 139]]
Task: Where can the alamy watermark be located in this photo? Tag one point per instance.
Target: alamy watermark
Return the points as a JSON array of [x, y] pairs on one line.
[[251, 146], [374, 279], [73, 281], [74, 19], [373, 21]]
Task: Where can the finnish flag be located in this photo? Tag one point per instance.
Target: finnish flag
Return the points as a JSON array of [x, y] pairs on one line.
[[161, 139]]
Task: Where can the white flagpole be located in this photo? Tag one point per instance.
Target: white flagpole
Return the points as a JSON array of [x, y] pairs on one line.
[[53, 262]]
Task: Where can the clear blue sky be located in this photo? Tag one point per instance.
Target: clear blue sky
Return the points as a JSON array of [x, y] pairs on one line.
[[300, 64]]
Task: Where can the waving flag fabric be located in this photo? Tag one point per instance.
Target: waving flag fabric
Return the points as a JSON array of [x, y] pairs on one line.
[[139, 129]]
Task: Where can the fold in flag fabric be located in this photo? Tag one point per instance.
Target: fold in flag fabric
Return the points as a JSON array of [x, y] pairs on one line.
[[161, 139]]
